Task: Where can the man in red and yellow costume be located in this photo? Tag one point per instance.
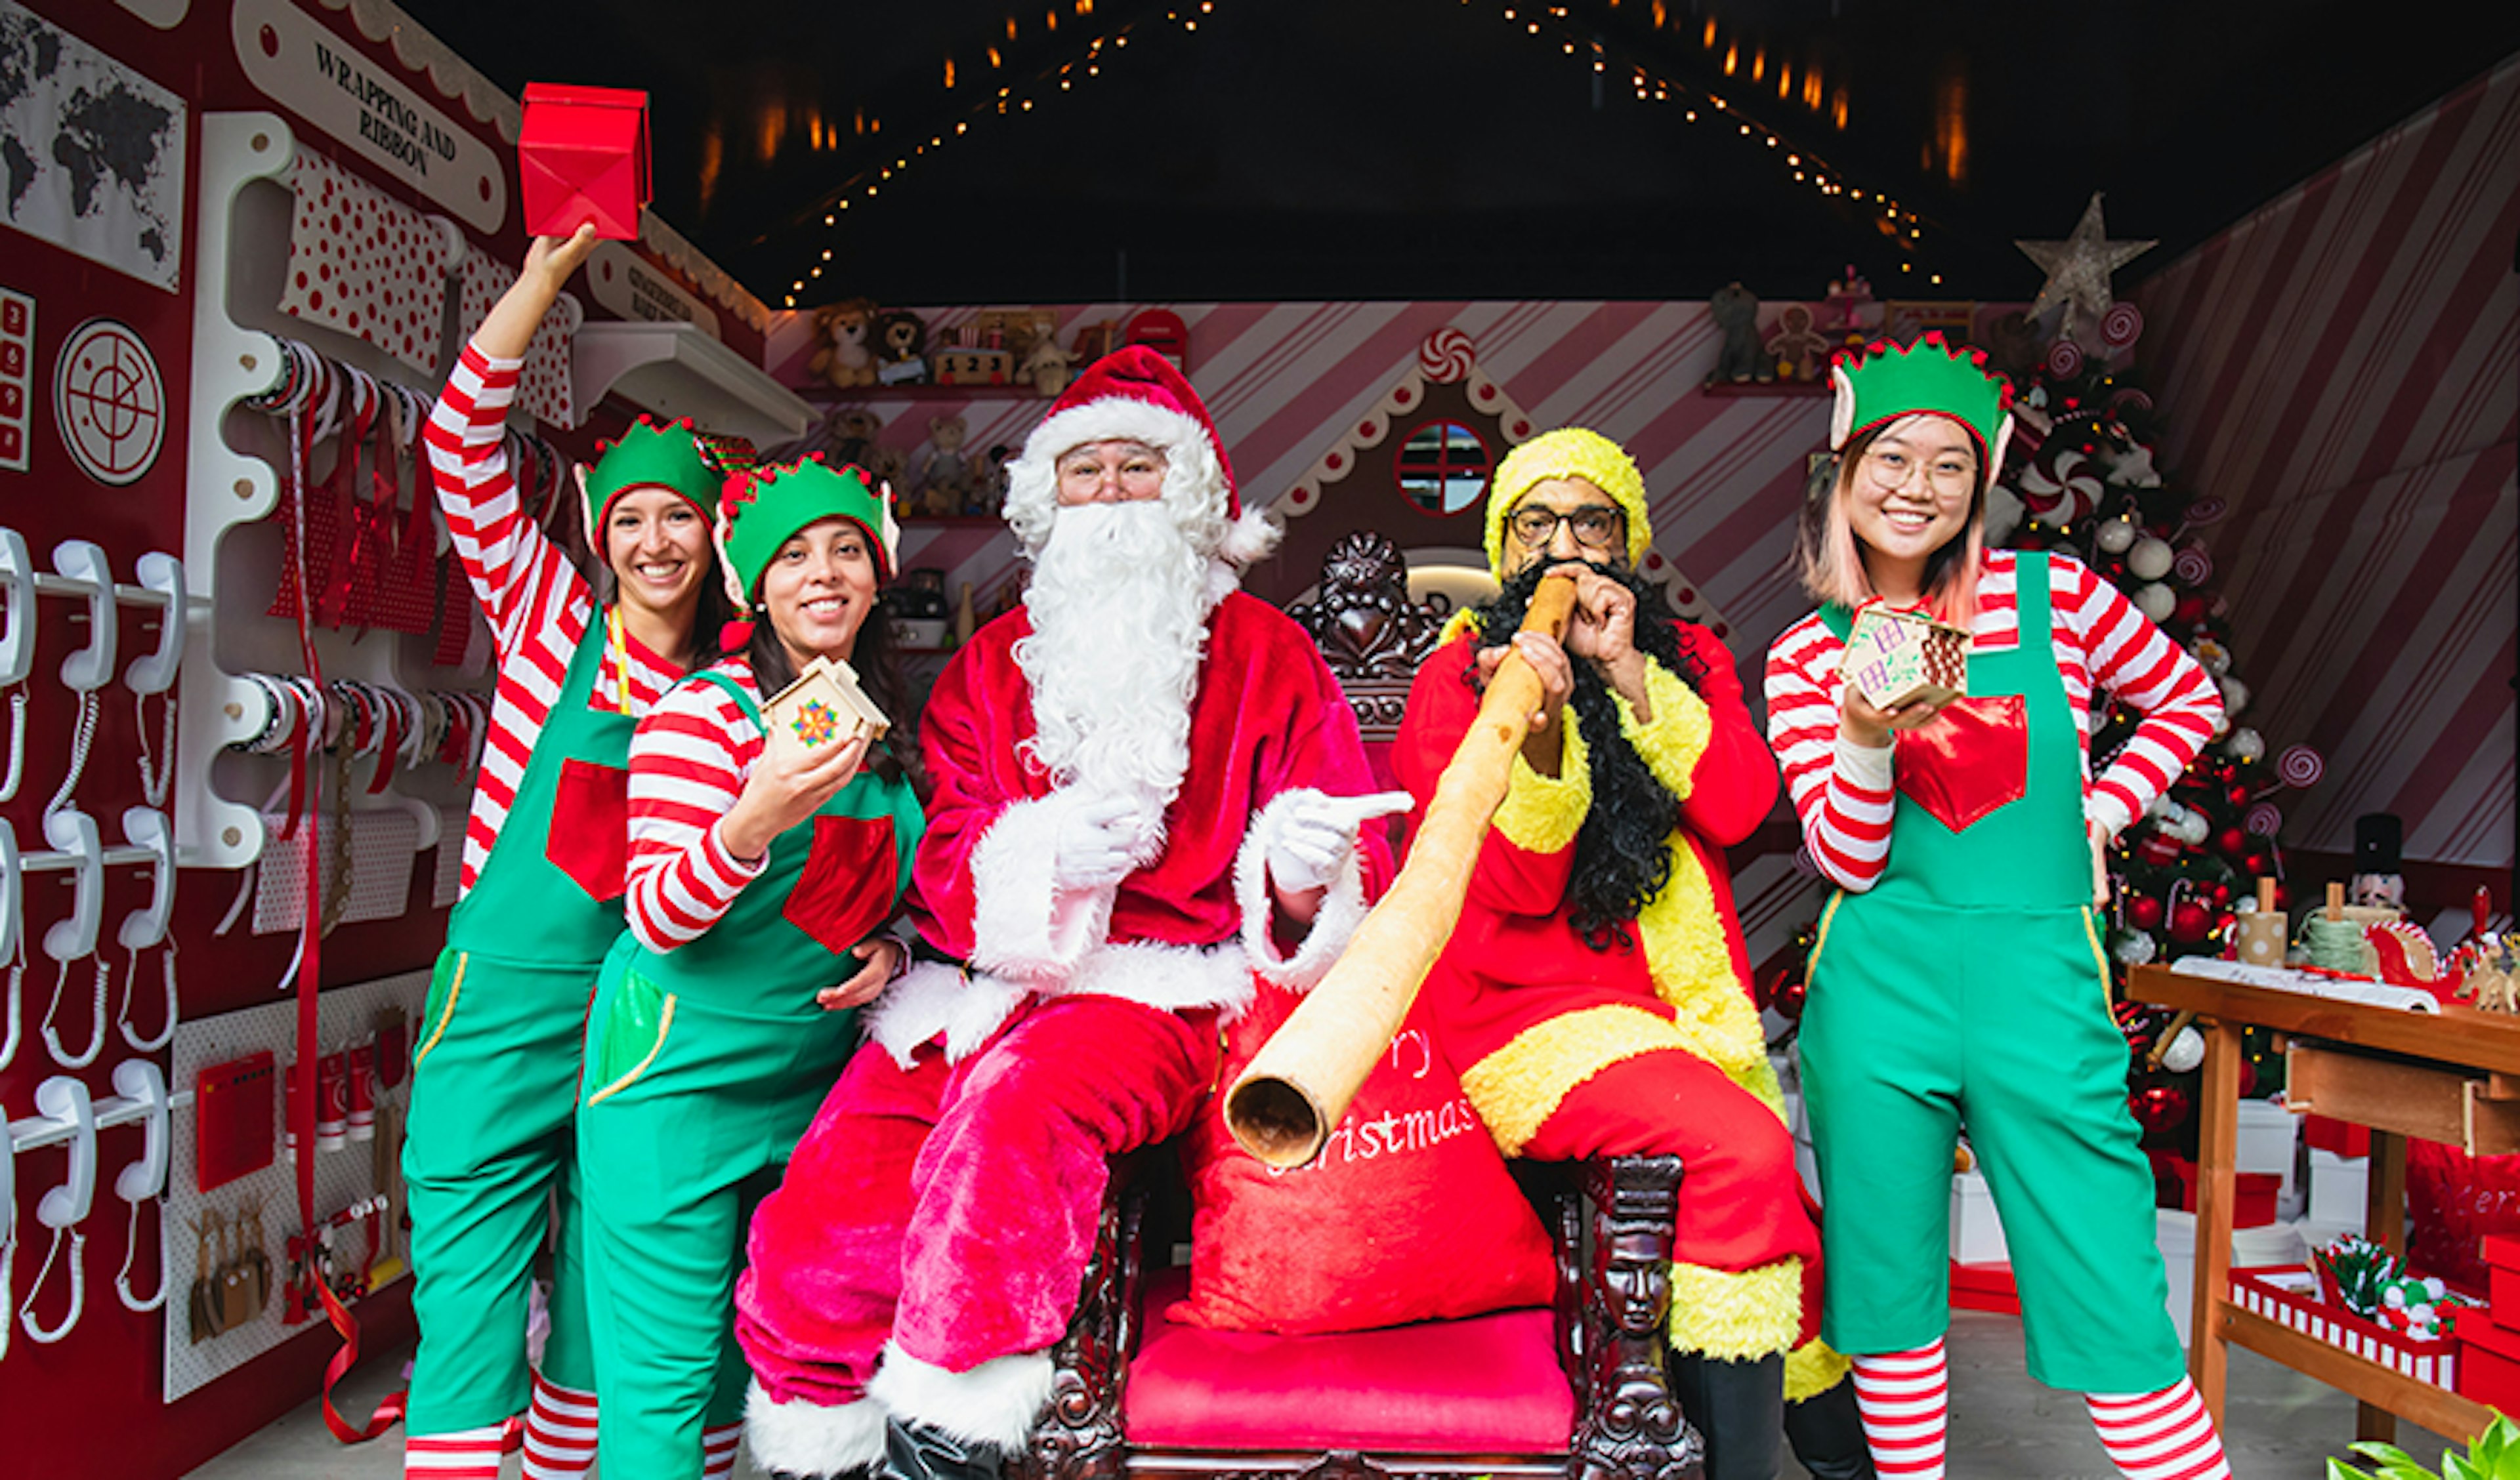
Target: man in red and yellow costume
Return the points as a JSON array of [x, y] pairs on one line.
[[1594, 995]]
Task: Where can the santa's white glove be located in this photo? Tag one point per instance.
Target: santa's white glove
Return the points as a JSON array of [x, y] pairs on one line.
[[1316, 833], [1098, 843]]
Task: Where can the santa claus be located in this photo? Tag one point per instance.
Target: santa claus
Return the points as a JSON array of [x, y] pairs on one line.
[[1147, 788]]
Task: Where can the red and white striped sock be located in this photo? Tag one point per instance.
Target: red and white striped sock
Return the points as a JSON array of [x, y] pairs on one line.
[[2159, 1436], [717, 1449], [468, 1454], [560, 1432], [1905, 1401]]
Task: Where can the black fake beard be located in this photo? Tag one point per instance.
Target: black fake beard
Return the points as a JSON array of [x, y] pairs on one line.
[[1621, 859]]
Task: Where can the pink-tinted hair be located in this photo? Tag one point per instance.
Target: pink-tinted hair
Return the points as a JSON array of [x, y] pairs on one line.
[[1830, 561]]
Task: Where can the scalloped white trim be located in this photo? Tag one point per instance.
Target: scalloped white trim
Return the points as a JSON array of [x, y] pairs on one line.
[[966, 1007], [1342, 908], [811, 1438], [935, 999], [995, 1402]]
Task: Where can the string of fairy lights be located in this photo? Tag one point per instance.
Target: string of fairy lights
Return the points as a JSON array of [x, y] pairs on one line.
[[1011, 99], [1552, 24]]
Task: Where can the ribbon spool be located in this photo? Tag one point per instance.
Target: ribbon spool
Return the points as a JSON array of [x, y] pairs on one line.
[[2260, 933]]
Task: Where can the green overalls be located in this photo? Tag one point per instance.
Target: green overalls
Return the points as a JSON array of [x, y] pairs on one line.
[[704, 1066], [494, 1086], [1968, 986]]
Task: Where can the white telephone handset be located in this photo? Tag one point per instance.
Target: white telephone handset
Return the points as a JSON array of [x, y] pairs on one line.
[[17, 595], [91, 666], [63, 1101], [152, 672], [74, 832], [12, 941], [147, 827], [138, 1079]]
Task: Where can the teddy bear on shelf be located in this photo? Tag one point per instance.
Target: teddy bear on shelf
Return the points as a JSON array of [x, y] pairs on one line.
[[843, 358], [1742, 358], [943, 477], [900, 349], [1045, 366]]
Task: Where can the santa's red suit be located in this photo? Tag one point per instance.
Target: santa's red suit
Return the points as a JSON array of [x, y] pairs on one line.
[[929, 1240]]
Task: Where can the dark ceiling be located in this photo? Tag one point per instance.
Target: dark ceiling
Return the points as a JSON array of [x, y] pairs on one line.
[[1437, 148]]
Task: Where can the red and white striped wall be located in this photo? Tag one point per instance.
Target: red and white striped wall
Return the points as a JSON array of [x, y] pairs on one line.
[[2344, 368]]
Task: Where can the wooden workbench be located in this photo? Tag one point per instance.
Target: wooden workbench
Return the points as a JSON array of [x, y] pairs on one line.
[[2452, 1077]]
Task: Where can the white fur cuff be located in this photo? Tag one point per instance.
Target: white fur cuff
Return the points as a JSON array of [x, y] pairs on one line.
[[933, 998], [1343, 906], [1023, 925], [811, 1438], [995, 1402]]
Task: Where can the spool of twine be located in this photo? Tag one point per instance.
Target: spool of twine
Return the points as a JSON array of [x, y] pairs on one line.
[[2336, 945]]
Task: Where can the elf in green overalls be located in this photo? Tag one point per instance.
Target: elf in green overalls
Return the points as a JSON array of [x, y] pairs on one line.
[[495, 1086], [760, 880], [1958, 978]]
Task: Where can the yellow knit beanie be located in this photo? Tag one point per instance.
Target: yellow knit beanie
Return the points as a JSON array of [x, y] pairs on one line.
[[1570, 452]]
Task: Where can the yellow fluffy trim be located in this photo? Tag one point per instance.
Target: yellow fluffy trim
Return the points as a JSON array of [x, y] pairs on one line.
[[1570, 452], [1737, 1316], [1692, 963], [1813, 1369], [1543, 813], [1519, 1087], [1672, 741]]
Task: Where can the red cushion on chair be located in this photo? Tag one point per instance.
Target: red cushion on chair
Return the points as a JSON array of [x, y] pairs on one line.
[[1409, 1213], [1487, 1384]]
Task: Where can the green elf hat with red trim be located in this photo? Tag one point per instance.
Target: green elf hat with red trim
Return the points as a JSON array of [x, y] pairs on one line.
[[673, 456], [1885, 381], [760, 507]]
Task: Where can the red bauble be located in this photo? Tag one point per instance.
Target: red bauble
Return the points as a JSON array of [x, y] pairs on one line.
[[2189, 610], [2159, 1107], [2248, 1078], [2143, 911], [2237, 795], [1789, 999], [2191, 922], [2222, 894], [2231, 842]]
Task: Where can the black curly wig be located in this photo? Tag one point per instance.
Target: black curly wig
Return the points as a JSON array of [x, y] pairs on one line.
[[1622, 857]]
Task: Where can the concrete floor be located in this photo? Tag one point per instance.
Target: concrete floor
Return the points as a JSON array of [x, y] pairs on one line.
[[2280, 1425]]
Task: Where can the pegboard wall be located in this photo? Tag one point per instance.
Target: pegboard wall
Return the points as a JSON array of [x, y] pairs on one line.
[[345, 1176]]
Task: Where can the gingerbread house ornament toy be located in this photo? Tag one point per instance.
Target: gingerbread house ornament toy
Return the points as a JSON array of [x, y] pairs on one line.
[[1897, 658], [582, 156], [823, 706]]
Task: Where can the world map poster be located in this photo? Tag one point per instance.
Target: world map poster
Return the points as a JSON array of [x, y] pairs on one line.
[[91, 153]]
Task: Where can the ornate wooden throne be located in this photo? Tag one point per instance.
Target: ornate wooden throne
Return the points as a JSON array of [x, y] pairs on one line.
[[1577, 1390]]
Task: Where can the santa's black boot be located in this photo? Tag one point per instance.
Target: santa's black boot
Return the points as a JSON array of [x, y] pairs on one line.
[[1827, 1434], [915, 1451]]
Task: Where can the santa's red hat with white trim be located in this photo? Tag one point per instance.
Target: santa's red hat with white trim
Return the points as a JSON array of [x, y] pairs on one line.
[[1137, 395]]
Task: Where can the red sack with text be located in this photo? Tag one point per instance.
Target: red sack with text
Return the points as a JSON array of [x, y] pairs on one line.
[[2454, 1200], [1409, 1213]]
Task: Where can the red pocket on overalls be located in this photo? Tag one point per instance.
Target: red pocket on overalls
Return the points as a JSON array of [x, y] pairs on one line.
[[846, 888], [590, 827], [1971, 760]]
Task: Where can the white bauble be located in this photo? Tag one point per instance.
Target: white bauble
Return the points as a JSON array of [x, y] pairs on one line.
[[2221, 726], [2246, 744], [2156, 602], [2136, 949], [2235, 695], [2117, 537], [2192, 829], [2212, 656], [2186, 1051], [2151, 560]]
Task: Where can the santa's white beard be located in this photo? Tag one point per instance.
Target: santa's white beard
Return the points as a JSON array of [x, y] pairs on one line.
[[1119, 604]]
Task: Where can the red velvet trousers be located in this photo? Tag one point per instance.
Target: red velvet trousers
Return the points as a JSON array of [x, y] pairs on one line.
[[951, 1208]]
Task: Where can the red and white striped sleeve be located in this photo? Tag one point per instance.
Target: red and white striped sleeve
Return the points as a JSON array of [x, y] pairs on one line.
[[1842, 793], [2135, 660], [525, 583], [688, 764]]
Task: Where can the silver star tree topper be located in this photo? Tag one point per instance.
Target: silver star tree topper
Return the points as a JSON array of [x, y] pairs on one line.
[[2078, 269]]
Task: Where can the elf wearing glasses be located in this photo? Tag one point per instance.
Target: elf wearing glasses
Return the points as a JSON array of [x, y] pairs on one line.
[[1594, 994], [1958, 978]]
